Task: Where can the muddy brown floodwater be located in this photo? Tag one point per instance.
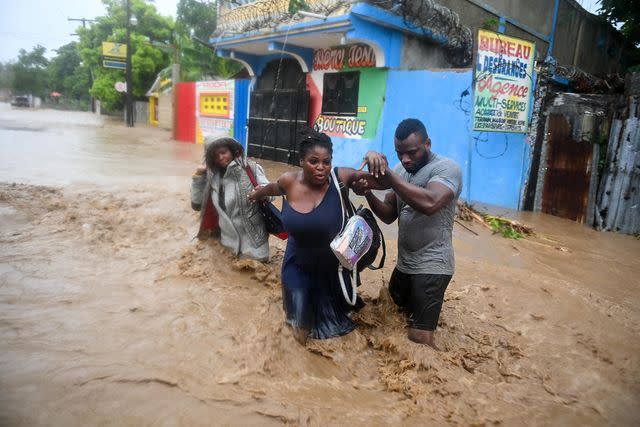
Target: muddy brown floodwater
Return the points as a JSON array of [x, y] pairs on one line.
[[111, 314]]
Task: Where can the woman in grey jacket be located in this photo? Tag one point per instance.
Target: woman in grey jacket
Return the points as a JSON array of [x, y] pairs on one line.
[[225, 186]]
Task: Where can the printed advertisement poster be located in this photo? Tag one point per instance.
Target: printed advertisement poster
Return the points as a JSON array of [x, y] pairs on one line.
[[114, 50], [503, 82], [214, 108]]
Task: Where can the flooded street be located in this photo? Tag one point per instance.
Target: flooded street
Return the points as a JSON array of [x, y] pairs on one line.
[[112, 314]]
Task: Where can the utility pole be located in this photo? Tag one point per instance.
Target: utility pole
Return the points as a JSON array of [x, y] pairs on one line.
[[84, 25], [175, 79], [129, 102], [175, 76]]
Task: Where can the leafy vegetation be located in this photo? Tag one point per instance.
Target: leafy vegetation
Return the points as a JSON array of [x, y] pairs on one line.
[[146, 60], [30, 72], [199, 62], [68, 75], [490, 24], [627, 14], [507, 228]]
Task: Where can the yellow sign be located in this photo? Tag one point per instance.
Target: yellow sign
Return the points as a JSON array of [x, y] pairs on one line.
[[214, 104], [114, 50]]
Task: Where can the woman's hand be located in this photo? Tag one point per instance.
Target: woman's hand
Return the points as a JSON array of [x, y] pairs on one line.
[[363, 182], [361, 187], [201, 170], [255, 194]]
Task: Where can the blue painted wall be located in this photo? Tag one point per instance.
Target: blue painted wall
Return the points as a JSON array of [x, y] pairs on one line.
[[241, 111], [493, 164], [350, 152]]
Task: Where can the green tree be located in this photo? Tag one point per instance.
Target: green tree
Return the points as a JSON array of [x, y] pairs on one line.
[[67, 74], [196, 16], [29, 73], [625, 12], [6, 75], [147, 60], [296, 5], [198, 62]]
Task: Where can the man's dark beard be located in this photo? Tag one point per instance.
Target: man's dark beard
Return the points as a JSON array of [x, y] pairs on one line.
[[418, 167]]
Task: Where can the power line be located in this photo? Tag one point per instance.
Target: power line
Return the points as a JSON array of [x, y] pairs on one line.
[[84, 25], [83, 20]]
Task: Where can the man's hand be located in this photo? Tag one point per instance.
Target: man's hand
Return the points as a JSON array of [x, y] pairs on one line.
[[376, 162]]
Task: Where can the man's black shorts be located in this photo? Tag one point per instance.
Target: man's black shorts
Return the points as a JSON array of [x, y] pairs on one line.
[[420, 296]]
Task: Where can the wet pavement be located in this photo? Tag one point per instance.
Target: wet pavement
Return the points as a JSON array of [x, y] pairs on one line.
[[110, 313]]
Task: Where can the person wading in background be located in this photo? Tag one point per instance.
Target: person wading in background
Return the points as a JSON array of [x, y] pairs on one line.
[[223, 188]]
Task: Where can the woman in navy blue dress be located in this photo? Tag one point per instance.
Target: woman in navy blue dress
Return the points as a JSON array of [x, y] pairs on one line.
[[312, 215]]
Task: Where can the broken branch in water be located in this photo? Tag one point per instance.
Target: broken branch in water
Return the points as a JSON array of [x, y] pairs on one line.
[[465, 227], [507, 227]]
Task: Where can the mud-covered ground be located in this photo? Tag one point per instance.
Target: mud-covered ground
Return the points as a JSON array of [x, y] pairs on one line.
[[111, 314]]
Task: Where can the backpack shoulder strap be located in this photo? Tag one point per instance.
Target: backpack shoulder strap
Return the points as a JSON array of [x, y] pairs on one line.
[[250, 174], [344, 200], [347, 207], [336, 182], [384, 252]]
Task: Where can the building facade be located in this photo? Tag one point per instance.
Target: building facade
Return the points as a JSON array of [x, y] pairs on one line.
[[354, 70]]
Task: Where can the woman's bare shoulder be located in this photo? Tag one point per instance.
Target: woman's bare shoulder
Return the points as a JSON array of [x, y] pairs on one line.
[[288, 179]]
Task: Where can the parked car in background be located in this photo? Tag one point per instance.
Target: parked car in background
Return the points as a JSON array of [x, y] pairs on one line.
[[21, 101]]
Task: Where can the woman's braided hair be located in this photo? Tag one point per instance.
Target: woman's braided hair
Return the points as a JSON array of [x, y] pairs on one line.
[[310, 138]]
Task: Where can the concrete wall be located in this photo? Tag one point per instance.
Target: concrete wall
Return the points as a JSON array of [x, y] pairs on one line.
[[474, 14], [141, 112], [585, 41], [419, 55], [581, 39], [493, 164], [165, 111]]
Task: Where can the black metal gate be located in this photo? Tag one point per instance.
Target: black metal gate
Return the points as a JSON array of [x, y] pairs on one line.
[[275, 116]]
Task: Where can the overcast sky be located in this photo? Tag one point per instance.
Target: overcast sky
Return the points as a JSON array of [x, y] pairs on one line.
[[26, 23]]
